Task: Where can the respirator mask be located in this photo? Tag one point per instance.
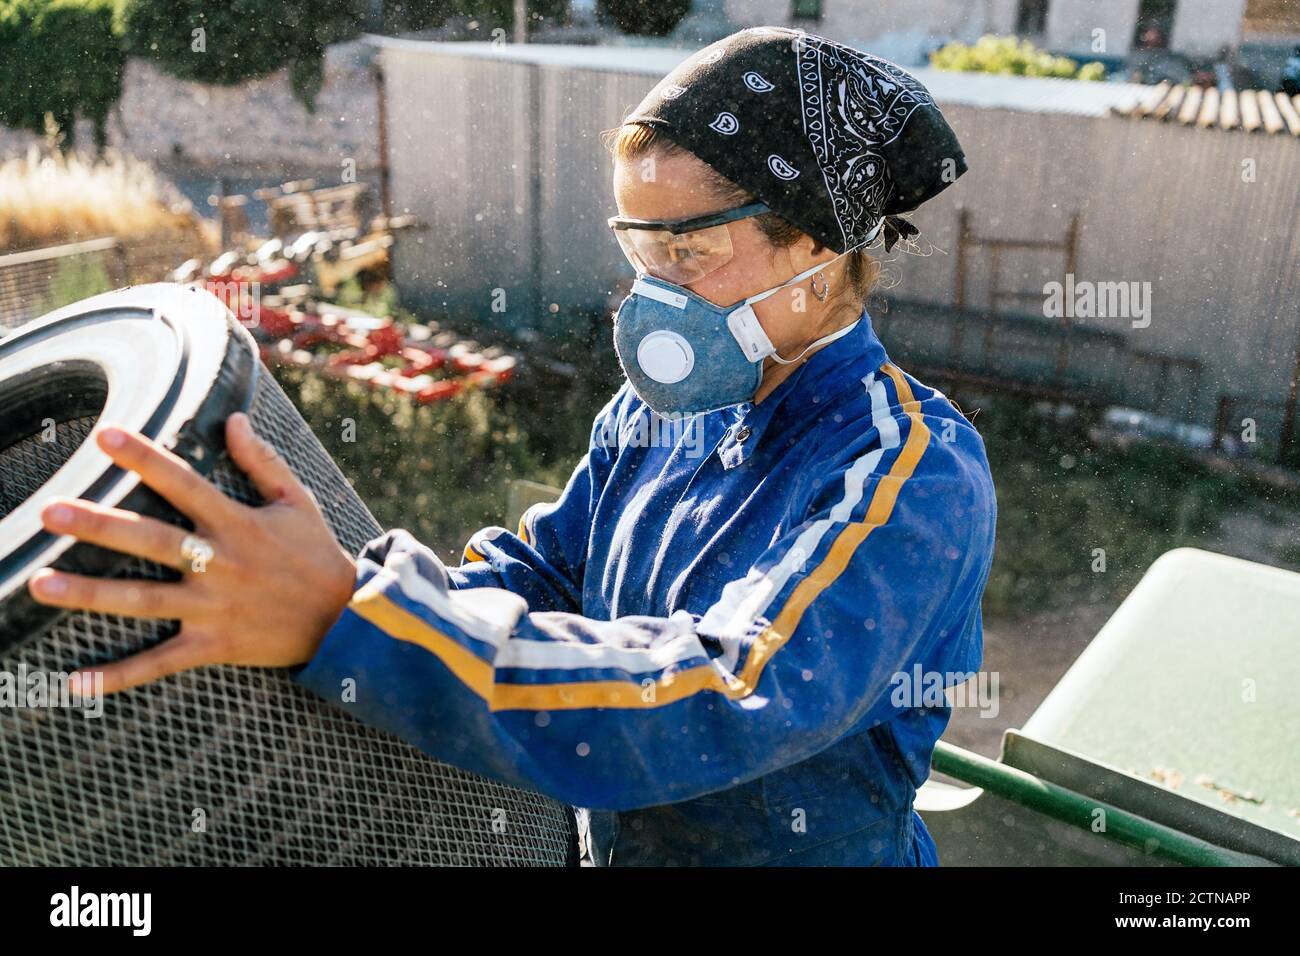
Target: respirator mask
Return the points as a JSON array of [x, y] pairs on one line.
[[683, 354]]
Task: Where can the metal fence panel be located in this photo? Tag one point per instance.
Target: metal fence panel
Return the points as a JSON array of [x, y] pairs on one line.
[[504, 158], [30, 281]]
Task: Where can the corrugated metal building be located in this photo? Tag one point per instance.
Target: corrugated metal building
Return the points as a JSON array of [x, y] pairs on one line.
[[498, 149]]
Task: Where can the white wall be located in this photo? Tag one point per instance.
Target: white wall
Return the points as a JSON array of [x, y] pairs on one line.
[[902, 30], [1070, 25], [1201, 27]]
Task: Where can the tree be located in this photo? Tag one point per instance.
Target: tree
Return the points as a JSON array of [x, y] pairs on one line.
[[238, 40], [654, 18], [62, 59]]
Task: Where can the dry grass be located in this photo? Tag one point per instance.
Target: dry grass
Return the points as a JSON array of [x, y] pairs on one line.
[[50, 199]]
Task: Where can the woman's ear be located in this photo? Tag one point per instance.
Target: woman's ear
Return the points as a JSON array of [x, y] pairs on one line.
[[807, 252]]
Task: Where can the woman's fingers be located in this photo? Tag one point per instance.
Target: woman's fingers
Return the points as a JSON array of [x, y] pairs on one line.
[[265, 467], [116, 530], [183, 652], [154, 599], [168, 475]]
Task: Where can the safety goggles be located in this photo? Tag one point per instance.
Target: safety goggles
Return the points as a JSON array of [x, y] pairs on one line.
[[680, 251]]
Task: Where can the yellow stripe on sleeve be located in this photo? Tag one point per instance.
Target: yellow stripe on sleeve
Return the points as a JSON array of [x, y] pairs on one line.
[[372, 605]]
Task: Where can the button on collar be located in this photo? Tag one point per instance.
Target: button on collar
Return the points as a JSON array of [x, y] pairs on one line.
[[746, 431]]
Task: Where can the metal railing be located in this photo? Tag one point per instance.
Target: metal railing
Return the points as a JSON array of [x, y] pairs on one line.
[[35, 281], [38, 280]]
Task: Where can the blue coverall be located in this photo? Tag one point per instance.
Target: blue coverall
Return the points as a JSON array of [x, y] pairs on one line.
[[705, 632]]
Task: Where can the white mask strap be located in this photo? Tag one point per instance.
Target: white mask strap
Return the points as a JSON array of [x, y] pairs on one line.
[[748, 331], [821, 341], [817, 268], [791, 281]]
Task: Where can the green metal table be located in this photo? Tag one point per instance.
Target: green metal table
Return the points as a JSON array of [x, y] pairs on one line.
[[1194, 683], [1173, 739]]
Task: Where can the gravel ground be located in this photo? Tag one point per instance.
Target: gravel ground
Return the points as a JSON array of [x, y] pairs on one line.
[[1029, 655]]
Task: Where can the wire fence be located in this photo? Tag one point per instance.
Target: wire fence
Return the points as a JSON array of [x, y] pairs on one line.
[[32, 282], [35, 281]]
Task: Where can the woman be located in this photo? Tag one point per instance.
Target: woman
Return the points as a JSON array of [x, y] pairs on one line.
[[709, 638]]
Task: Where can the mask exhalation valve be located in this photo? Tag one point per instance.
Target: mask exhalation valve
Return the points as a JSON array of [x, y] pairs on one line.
[[665, 356]]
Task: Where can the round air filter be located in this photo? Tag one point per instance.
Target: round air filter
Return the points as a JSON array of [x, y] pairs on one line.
[[223, 765]]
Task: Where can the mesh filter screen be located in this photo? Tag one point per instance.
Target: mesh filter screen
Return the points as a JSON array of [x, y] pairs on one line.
[[234, 766], [30, 463]]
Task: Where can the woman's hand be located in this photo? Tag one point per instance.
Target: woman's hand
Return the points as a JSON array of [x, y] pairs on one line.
[[275, 583]]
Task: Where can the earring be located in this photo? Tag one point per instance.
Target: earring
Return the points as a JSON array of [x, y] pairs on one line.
[[825, 289]]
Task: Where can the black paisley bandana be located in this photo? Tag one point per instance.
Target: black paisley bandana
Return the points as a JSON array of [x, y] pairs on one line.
[[831, 139]]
